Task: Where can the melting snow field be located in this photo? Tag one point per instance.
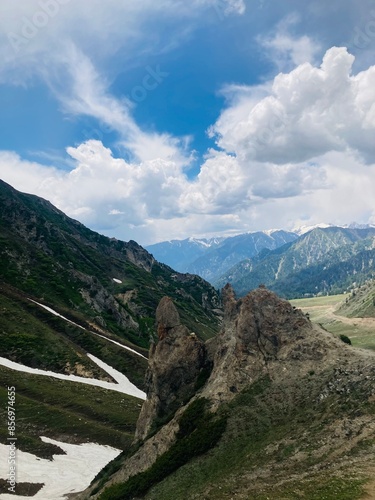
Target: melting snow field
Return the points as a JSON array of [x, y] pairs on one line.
[[52, 311], [123, 383], [121, 345], [65, 474], [74, 471]]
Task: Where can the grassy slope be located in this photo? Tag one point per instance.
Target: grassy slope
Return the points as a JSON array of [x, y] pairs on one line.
[[361, 303], [279, 444], [66, 411], [33, 336], [46, 254], [329, 311], [290, 438]]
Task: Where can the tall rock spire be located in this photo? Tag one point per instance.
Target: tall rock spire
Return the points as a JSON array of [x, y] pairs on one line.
[[175, 364]]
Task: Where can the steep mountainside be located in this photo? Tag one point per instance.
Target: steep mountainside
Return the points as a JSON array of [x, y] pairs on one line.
[[114, 285], [212, 258], [325, 260], [273, 407], [361, 303], [216, 262]]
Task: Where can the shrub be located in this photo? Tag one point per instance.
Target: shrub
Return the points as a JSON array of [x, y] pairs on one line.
[[345, 339]]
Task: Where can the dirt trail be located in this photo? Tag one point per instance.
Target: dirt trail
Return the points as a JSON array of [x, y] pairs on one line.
[[330, 314]]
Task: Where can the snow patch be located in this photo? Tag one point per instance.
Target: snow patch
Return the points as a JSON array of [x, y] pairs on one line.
[[123, 384], [56, 314], [121, 345], [65, 474], [52, 311], [305, 229]]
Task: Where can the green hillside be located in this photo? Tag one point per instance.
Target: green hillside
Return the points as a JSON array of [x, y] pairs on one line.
[[66, 411], [361, 302], [115, 285]]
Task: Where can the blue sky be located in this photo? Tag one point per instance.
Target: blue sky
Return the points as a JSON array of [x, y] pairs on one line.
[[157, 120]]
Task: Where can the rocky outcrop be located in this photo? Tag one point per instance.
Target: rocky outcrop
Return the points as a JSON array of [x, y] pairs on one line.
[[138, 256], [175, 365], [262, 337], [256, 331]]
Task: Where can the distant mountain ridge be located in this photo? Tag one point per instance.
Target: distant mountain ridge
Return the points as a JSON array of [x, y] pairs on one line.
[[179, 254], [210, 258], [231, 259], [324, 260]]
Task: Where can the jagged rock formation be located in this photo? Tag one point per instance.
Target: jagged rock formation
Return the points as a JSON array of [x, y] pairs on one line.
[[255, 330], [175, 364], [309, 372]]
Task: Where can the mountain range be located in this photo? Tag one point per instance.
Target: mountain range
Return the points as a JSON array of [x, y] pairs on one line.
[[197, 395], [323, 261], [211, 258], [285, 410], [311, 260], [113, 284]]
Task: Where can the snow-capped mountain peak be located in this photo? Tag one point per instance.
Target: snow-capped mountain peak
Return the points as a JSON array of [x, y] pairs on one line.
[[305, 229]]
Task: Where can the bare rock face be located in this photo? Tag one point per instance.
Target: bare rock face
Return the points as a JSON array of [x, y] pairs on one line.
[[175, 364], [257, 330]]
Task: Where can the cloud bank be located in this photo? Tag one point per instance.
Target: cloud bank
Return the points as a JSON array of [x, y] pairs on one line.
[[309, 138], [294, 148]]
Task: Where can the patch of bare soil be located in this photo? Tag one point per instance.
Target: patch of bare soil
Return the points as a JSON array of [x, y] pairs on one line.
[[370, 488], [22, 489]]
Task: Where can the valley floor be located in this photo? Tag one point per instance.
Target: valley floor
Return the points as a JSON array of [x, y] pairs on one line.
[[323, 310]]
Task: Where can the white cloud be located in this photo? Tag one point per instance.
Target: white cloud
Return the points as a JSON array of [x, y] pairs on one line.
[[233, 6], [44, 39], [31, 29], [295, 145], [101, 188], [154, 200], [220, 187], [85, 92], [311, 163], [309, 112]]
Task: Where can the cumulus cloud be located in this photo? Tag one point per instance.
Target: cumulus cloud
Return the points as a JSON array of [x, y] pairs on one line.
[[309, 112], [220, 187], [104, 190], [154, 200]]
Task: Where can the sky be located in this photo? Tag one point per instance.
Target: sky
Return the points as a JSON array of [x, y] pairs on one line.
[[158, 120]]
